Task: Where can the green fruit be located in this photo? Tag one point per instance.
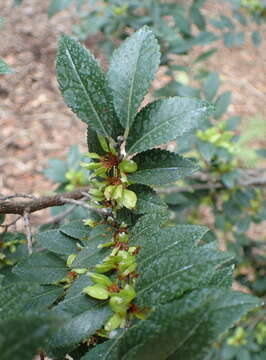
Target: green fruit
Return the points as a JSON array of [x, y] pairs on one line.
[[100, 279], [128, 166], [128, 293], [103, 268], [109, 191], [128, 199], [113, 323], [97, 291], [118, 192], [118, 304]]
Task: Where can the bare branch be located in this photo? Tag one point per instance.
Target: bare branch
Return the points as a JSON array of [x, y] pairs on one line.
[[19, 207], [4, 198], [58, 218]]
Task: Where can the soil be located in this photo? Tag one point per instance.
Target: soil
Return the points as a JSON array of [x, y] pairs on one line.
[[35, 123]]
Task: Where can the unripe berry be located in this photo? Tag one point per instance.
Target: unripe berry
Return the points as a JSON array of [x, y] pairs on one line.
[[97, 291], [128, 199], [100, 279], [128, 166]]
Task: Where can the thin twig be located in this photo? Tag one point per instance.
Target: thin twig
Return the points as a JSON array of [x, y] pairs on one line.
[[58, 218], [8, 197], [81, 202], [26, 218], [11, 223]]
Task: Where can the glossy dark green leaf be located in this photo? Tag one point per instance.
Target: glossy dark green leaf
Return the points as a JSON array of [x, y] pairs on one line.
[[44, 268], [57, 5], [211, 85], [57, 242], [76, 229], [164, 120], [182, 329], [79, 328], [146, 226], [84, 87], [148, 201], [21, 337], [93, 143], [21, 297], [132, 69], [221, 104], [171, 237], [91, 255], [158, 167], [176, 271]]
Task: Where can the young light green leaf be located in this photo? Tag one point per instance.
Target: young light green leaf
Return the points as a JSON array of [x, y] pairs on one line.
[[84, 87], [158, 167], [164, 120], [44, 268], [132, 69]]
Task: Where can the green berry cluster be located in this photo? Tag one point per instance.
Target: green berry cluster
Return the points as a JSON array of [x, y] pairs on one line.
[[110, 191]]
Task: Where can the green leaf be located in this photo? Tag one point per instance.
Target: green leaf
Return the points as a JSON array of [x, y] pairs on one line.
[[4, 68], [56, 170], [84, 87], [211, 85], [183, 329], [221, 104], [164, 120], [205, 55], [75, 301], [256, 38], [158, 167], [178, 270], [21, 337], [100, 351], [197, 17], [91, 254], [76, 229], [146, 226], [56, 6], [44, 268], [79, 328], [93, 143], [56, 241], [148, 201], [20, 297], [132, 69], [172, 237]]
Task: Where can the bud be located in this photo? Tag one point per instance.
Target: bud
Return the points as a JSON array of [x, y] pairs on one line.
[[70, 259], [97, 291], [113, 323], [128, 199], [128, 166], [90, 222], [100, 279]]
